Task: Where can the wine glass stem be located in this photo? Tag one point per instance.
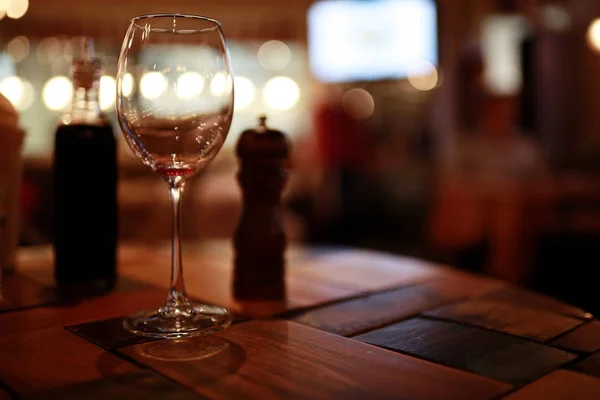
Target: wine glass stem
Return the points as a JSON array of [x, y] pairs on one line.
[[177, 297]]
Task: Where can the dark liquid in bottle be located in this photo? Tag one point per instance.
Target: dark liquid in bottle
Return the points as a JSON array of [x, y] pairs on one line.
[[85, 205]]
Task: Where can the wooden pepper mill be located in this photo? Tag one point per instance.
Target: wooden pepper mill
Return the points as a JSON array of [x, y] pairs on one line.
[[259, 240]]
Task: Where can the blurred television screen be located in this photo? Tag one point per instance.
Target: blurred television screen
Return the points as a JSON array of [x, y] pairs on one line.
[[363, 40]]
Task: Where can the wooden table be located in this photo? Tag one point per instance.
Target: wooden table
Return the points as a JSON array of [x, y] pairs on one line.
[[355, 325]]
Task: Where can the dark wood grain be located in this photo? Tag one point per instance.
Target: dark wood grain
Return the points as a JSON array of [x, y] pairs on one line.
[[519, 296], [589, 365], [560, 385], [282, 359], [111, 306], [108, 334], [512, 318], [480, 351], [350, 317], [52, 358], [144, 384], [584, 338]]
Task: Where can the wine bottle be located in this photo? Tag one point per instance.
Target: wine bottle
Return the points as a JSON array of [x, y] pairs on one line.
[[85, 186]]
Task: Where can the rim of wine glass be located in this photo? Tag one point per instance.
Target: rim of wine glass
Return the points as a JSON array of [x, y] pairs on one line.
[[217, 24]]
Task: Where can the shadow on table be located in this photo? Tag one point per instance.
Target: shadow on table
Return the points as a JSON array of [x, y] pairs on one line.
[[143, 384], [198, 361]]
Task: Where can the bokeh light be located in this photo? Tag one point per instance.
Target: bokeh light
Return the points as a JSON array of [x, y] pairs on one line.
[[108, 90], [48, 49], [189, 84], [57, 93], [218, 84], [18, 48], [281, 93], [556, 17], [244, 92], [17, 8], [127, 85], [358, 103], [274, 55], [593, 34], [12, 88], [423, 76], [4, 4], [153, 85]]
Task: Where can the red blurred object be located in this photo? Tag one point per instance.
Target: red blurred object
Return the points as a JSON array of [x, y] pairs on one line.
[[342, 141], [29, 198]]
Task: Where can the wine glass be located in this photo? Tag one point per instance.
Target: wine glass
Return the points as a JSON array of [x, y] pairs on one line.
[[175, 104]]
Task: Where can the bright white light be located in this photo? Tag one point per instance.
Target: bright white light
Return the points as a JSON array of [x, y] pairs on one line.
[[593, 34], [218, 84], [281, 93], [189, 84], [423, 76], [108, 90], [127, 85], [370, 40], [4, 4], [18, 91], [244, 92], [274, 55], [17, 8], [358, 103], [153, 85], [12, 89], [57, 93], [500, 39]]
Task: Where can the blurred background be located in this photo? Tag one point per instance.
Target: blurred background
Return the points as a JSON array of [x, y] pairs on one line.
[[459, 131]]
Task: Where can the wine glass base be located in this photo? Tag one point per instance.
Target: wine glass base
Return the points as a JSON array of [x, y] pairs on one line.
[[194, 321]]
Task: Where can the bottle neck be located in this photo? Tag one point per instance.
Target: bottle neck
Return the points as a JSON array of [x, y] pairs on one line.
[[85, 106]]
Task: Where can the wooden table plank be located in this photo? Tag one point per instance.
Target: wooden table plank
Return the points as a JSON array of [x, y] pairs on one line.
[[282, 359], [37, 264], [51, 358], [519, 296], [560, 385], [342, 267], [502, 357], [585, 338], [514, 319], [589, 365], [211, 281], [20, 291], [366, 313], [111, 306], [368, 271]]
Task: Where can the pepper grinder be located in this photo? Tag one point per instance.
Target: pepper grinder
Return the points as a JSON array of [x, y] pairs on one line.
[[259, 240]]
